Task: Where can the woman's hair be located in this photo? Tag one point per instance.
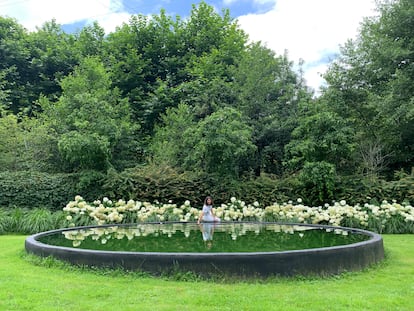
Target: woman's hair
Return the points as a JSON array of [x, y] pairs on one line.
[[208, 197]]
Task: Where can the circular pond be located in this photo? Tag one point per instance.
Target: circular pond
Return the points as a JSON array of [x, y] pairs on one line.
[[244, 249]]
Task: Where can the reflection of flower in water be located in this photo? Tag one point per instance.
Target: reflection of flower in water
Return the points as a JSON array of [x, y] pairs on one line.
[[119, 236], [235, 230]]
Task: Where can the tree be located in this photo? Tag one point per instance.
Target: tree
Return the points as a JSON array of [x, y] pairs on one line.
[[89, 117], [269, 92], [321, 136], [222, 142], [15, 67], [90, 40], [52, 57], [168, 144], [370, 84], [159, 62], [10, 141]]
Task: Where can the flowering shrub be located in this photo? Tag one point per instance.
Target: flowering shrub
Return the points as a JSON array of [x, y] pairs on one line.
[[384, 218]]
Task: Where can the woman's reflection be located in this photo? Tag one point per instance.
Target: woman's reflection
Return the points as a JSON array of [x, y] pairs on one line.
[[207, 230]]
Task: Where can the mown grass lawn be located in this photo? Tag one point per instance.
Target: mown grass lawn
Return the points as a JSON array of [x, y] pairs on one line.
[[27, 286]]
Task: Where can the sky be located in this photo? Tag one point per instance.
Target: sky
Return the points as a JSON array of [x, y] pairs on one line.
[[308, 30]]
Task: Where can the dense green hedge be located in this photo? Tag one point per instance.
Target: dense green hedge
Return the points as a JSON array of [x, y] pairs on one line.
[[355, 189], [31, 189], [155, 183], [159, 183]]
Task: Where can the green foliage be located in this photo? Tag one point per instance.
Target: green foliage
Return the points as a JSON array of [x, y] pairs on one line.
[[401, 188], [369, 84], [155, 182], [319, 182], [90, 40], [89, 117], [222, 141], [356, 189], [30, 221], [26, 144], [269, 92], [168, 144], [15, 65], [193, 94], [40, 220], [320, 136], [31, 189], [4, 221], [10, 140], [84, 150]]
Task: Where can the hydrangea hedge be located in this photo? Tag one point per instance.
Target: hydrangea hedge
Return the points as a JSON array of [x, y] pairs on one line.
[[387, 217]]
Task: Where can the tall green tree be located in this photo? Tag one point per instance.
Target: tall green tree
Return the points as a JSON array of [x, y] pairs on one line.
[[169, 144], [269, 92], [369, 84], [90, 118], [143, 55], [15, 68], [321, 136], [221, 143], [90, 40], [53, 57], [159, 62]]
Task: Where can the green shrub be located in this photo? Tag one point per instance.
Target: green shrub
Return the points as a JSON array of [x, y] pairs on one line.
[[265, 189], [357, 189], [401, 188], [155, 183], [319, 182], [31, 189]]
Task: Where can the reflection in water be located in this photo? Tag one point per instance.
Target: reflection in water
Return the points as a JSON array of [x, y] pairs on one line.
[[185, 237], [207, 230]]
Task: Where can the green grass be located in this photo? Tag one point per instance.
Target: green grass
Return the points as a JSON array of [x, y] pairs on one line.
[[30, 284]]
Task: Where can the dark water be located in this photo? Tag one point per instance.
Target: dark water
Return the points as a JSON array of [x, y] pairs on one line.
[[190, 238]]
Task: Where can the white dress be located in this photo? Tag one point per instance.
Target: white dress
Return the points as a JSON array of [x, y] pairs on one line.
[[207, 230], [208, 215]]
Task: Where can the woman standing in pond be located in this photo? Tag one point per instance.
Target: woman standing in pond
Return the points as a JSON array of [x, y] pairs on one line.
[[207, 214]]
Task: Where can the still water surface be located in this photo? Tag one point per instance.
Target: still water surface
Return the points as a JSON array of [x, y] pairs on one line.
[[206, 237]]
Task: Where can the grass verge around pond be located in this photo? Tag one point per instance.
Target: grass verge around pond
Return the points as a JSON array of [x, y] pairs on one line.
[[26, 286]]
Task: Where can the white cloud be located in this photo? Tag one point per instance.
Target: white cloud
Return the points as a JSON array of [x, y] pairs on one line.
[[313, 77], [228, 2], [308, 29], [34, 13], [110, 21]]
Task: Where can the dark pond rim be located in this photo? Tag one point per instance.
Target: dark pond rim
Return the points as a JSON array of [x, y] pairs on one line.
[[315, 261]]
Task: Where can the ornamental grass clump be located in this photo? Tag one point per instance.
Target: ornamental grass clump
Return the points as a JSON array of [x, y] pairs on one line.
[[384, 218], [29, 221]]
